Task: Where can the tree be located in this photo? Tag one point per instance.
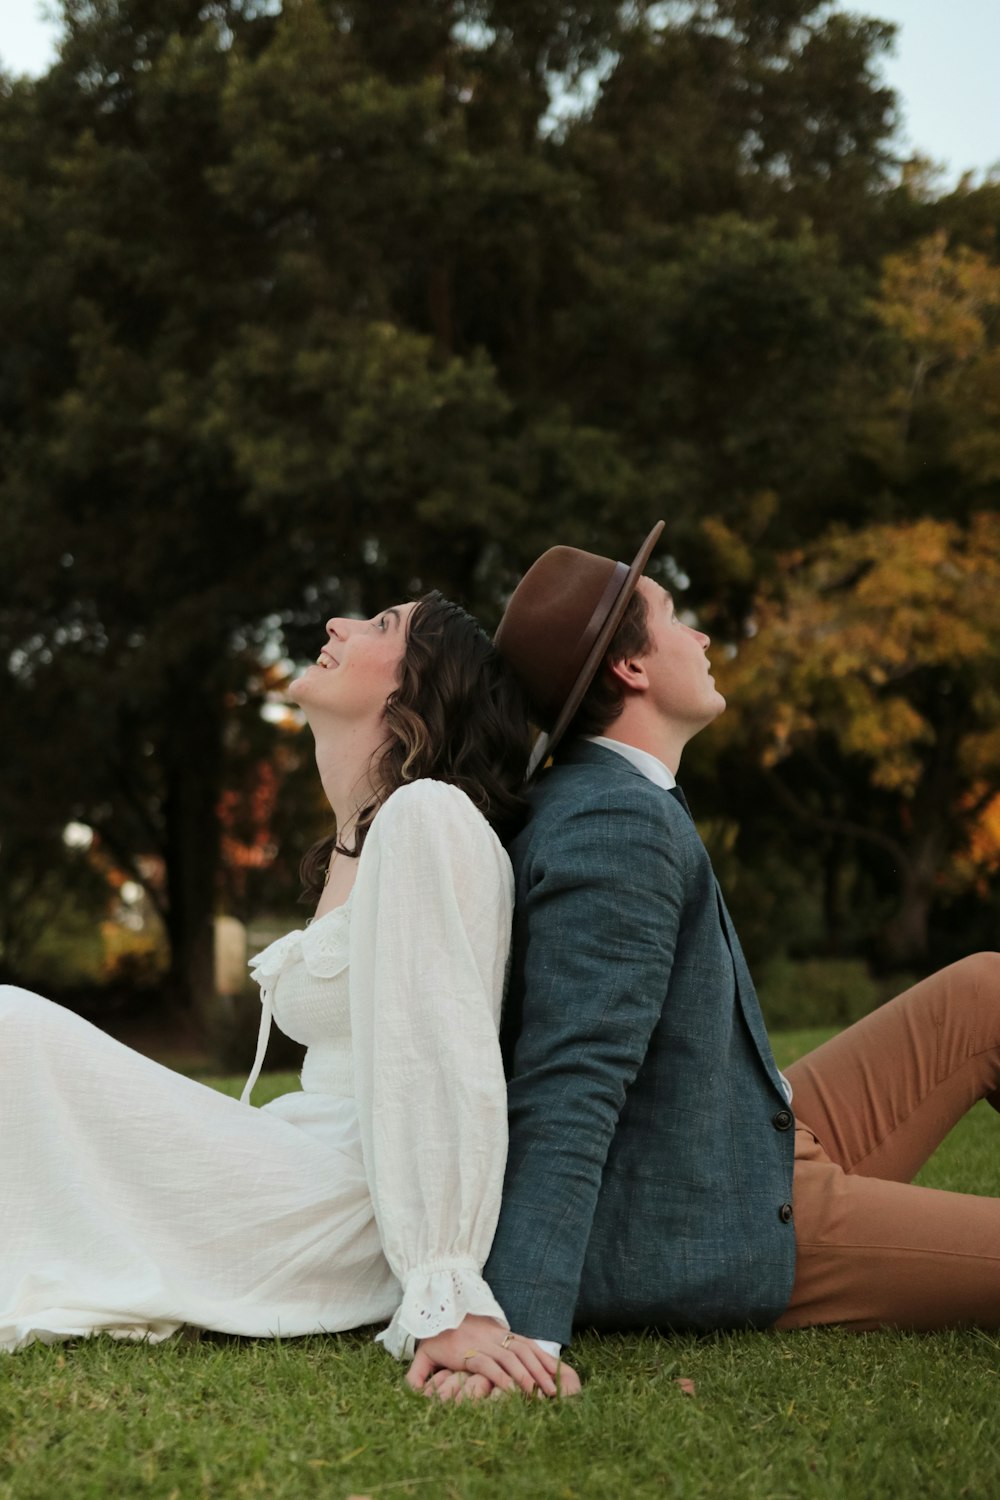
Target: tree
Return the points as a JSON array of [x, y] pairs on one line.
[[869, 695], [932, 395], [772, 111], [735, 175], [140, 570], [311, 308], [217, 422], [713, 352]]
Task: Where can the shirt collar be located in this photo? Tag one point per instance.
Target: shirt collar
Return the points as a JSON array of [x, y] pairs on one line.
[[654, 770]]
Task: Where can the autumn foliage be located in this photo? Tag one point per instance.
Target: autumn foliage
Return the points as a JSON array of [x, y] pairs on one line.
[[875, 659]]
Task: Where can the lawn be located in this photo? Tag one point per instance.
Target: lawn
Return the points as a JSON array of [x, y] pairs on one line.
[[808, 1414]]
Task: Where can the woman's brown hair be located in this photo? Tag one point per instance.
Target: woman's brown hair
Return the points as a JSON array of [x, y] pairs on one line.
[[458, 715]]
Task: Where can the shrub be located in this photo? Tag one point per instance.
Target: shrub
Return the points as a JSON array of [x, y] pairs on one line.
[[818, 991]]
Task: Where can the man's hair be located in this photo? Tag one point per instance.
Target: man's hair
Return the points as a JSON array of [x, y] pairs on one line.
[[605, 698]]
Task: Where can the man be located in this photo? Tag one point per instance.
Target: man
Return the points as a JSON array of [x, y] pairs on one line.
[[656, 1175]]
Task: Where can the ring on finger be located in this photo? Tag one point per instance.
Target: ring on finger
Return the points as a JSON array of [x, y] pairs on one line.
[[506, 1343], [469, 1354]]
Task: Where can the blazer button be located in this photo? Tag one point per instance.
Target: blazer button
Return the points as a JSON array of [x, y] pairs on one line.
[[785, 1213], [782, 1120]]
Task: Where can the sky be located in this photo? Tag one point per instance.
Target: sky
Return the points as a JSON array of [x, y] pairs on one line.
[[945, 70]]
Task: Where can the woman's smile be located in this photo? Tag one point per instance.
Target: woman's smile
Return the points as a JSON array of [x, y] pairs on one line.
[[366, 657]]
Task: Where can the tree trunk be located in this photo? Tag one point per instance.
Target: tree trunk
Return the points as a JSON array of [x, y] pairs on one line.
[[904, 938], [440, 306], [833, 897], [193, 761]]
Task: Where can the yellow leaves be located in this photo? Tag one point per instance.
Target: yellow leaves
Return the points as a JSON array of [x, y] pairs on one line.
[[787, 725], [980, 757], [975, 442], [872, 639], [888, 733], [984, 842], [940, 391], [979, 862], [939, 301], [894, 598], [732, 552]]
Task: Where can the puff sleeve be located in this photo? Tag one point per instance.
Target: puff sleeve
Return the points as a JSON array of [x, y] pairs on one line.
[[429, 942]]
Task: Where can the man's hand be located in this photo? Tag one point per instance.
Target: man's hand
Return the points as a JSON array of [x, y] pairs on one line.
[[449, 1385], [483, 1356]]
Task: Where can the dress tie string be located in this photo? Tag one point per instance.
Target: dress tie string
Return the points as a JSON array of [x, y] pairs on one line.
[[263, 1035]]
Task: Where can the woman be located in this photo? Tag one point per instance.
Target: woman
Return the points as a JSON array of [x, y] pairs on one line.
[[133, 1200]]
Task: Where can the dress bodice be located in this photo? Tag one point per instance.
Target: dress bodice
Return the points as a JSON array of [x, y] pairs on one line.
[[397, 996], [303, 978]]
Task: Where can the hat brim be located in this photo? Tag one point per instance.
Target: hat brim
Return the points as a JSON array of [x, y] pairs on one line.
[[546, 743]]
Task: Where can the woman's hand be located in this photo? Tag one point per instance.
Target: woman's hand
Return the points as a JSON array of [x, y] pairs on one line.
[[483, 1348]]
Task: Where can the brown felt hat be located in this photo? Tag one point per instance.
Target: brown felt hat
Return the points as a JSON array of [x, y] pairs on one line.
[[558, 626]]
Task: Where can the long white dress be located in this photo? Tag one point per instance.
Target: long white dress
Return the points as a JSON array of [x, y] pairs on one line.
[[133, 1200]]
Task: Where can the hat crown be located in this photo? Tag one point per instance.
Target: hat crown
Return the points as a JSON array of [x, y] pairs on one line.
[[552, 620], [558, 626]]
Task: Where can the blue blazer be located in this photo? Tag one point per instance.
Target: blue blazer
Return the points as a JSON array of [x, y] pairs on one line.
[[649, 1175]]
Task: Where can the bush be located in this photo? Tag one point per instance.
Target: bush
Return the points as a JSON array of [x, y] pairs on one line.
[[231, 1029], [819, 992]]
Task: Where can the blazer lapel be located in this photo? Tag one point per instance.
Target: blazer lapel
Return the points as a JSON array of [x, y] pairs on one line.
[[749, 1004], [678, 796]]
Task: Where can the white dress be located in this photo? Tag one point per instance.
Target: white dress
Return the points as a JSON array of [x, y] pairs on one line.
[[133, 1200]]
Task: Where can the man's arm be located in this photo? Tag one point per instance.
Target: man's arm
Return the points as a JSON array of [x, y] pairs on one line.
[[600, 911]]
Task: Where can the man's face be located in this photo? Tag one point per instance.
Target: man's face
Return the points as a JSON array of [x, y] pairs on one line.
[[681, 684]]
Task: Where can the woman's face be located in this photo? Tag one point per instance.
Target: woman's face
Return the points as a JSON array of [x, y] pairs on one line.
[[357, 668]]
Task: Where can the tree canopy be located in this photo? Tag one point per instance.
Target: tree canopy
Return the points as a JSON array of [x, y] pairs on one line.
[[310, 308], [869, 694]]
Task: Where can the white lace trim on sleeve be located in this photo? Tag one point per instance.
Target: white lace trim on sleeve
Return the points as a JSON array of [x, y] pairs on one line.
[[437, 1296]]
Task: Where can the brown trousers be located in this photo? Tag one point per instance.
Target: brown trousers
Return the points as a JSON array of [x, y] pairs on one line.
[[871, 1105]]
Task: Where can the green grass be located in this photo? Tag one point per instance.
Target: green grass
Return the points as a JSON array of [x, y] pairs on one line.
[[818, 1414]]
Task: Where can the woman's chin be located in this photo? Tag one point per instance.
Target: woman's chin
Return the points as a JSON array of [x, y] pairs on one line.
[[297, 690]]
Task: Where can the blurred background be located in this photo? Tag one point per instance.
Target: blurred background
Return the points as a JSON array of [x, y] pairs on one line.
[[307, 307]]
